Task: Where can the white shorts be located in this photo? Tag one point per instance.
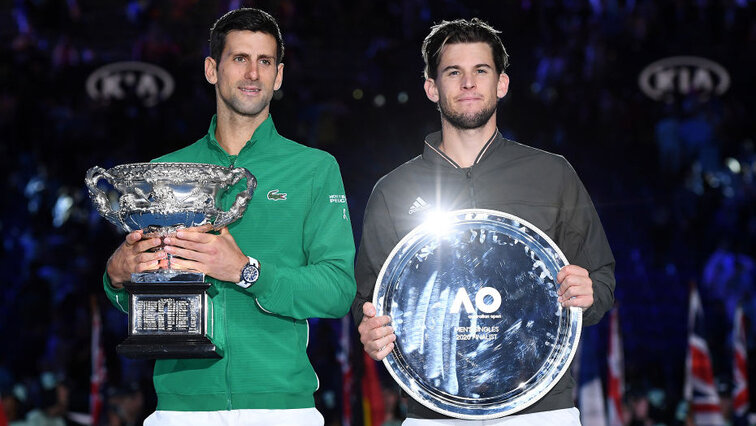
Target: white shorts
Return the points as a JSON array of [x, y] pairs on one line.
[[565, 416], [256, 417]]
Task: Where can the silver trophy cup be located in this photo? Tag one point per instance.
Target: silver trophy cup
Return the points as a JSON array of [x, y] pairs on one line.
[[170, 314]]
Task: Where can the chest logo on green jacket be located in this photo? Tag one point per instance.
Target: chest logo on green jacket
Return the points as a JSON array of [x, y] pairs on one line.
[[275, 195]]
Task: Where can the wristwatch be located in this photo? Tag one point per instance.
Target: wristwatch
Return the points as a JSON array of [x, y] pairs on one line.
[[249, 273]]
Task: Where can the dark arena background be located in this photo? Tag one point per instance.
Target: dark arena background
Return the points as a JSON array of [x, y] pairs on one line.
[[651, 101]]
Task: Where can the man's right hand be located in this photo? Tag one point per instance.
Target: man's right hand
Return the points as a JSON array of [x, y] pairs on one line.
[[376, 335], [133, 256]]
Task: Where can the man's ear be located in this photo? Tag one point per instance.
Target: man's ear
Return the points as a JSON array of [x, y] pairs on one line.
[[431, 91], [502, 87], [279, 77], [211, 70]]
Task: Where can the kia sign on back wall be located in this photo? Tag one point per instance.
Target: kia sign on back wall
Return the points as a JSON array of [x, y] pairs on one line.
[[676, 76], [122, 80]]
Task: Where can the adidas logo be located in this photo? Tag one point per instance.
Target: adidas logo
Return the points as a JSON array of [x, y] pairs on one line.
[[418, 206]]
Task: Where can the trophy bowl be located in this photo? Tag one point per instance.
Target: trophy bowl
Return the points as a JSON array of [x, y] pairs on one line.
[[160, 198], [472, 297], [170, 312]]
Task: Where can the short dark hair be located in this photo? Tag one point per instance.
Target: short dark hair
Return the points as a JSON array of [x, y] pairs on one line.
[[461, 31], [244, 19]]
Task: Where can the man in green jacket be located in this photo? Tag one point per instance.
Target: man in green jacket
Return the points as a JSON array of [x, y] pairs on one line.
[[295, 237]]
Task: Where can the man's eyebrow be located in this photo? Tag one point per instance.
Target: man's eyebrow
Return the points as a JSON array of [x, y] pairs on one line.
[[450, 67], [247, 55], [457, 67]]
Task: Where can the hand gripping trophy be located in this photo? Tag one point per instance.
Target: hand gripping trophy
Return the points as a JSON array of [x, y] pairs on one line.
[[170, 314]]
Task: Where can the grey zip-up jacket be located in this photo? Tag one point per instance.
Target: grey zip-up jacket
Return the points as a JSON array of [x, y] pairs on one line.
[[537, 186]]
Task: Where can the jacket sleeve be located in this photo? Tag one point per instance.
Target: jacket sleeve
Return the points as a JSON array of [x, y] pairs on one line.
[[118, 297], [584, 243], [378, 239], [324, 287]]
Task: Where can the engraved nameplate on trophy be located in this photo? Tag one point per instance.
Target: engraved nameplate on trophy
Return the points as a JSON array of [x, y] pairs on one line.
[[167, 313]]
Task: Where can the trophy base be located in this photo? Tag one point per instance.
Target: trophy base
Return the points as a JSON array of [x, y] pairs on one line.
[[168, 347], [169, 319]]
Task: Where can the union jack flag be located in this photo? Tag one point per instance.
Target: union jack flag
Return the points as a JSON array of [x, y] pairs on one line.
[[344, 357], [615, 372], [590, 392], [700, 390], [740, 395], [99, 371]]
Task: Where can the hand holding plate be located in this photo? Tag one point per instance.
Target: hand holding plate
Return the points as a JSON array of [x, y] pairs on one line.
[[575, 287], [376, 335]]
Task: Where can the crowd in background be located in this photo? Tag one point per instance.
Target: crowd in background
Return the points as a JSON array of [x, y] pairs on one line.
[[673, 180]]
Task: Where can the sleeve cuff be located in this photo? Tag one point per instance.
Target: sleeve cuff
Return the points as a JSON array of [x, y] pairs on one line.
[[265, 286], [119, 296]]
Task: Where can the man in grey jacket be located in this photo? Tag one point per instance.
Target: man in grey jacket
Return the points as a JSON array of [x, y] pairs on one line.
[[468, 164]]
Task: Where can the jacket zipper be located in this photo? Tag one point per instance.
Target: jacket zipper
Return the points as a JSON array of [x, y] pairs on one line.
[[470, 185], [229, 405]]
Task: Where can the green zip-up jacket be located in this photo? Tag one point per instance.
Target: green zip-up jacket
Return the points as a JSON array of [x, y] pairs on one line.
[[297, 225]]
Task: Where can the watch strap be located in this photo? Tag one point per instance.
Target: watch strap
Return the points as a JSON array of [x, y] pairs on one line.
[[252, 263]]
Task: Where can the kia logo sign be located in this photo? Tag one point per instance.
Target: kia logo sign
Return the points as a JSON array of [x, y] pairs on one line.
[[679, 75], [123, 80]]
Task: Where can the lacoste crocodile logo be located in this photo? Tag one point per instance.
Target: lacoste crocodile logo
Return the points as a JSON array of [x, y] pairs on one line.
[[275, 195]]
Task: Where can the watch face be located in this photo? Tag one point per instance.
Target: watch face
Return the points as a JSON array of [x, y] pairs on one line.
[[250, 273]]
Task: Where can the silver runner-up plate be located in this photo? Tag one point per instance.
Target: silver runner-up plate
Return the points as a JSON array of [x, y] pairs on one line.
[[472, 297]]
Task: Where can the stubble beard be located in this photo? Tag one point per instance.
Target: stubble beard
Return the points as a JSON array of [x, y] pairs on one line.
[[238, 106], [466, 121]]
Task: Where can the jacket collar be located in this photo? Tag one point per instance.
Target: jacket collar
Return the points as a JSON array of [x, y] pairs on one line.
[[264, 133], [432, 153]]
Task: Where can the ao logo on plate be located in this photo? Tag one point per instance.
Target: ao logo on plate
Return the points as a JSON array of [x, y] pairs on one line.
[[484, 305]]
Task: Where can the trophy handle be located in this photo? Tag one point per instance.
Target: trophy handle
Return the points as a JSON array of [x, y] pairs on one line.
[[98, 196], [242, 198]]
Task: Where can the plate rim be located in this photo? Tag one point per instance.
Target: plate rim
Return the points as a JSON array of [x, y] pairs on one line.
[[575, 312]]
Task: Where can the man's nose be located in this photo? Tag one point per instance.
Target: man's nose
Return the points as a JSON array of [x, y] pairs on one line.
[[468, 82], [251, 72]]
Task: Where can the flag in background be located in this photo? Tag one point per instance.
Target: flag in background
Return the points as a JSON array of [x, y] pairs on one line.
[[590, 392], [615, 372], [3, 418], [344, 356], [700, 390], [99, 372], [373, 408], [740, 396]]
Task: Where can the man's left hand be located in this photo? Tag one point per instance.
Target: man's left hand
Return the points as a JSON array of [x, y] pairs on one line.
[[575, 287], [216, 255]]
